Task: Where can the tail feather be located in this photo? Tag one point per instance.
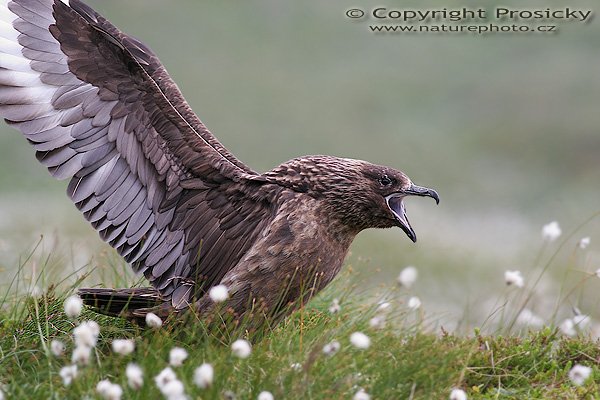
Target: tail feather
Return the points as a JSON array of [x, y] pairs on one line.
[[120, 302]]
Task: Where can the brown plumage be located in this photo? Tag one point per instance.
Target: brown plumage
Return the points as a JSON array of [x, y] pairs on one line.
[[101, 110]]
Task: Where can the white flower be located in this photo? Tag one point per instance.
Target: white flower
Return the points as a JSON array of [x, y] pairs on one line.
[[514, 278], [228, 395], [123, 346], [81, 355], [458, 394], [383, 307], [528, 318], [86, 334], [68, 373], [361, 395], [73, 306], [551, 231], [57, 347], [408, 276], [597, 273], [204, 375], [567, 327], [165, 376], [414, 303], [331, 348], [360, 340], [584, 242], [265, 396], [579, 374], [581, 321], [218, 293], [296, 367], [108, 390], [377, 322], [36, 292], [93, 327], [153, 321], [135, 376], [241, 348], [173, 389], [335, 308], [177, 356]]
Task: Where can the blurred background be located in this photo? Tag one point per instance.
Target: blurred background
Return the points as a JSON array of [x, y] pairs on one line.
[[504, 126]]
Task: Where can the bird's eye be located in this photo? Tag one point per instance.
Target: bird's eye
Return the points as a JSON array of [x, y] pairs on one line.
[[385, 181]]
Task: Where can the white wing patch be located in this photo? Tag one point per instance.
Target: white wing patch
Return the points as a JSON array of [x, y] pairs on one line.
[[112, 182]]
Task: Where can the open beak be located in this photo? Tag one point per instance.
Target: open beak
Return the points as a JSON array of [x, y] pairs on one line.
[[396, 205]]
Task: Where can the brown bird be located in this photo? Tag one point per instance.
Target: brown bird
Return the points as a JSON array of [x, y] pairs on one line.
[[101, 110]]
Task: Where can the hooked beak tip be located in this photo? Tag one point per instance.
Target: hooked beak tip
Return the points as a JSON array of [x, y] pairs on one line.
[[415, 190], [413, 237]]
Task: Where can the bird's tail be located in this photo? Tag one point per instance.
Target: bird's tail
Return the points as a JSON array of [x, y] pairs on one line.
[[129, 303]]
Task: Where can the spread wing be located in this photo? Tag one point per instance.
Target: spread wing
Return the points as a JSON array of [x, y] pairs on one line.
[[100, 109]]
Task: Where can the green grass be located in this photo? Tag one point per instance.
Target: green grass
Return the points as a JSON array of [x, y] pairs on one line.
[[404, 360]]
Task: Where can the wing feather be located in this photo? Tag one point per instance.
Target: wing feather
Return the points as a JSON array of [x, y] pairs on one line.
[[101, 110]]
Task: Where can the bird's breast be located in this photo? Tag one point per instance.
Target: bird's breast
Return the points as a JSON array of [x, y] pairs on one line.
[[301, 248]]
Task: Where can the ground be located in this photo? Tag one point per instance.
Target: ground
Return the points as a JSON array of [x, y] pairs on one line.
[[405, 360]]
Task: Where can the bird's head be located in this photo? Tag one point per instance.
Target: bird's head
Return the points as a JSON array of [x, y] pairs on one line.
[[359, 194]]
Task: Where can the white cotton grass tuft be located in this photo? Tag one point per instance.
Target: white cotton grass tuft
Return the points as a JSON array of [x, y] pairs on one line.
[[123, 346], [135, 376], [579, 374], [335, 307], [218, 293], [165, 376], [68, 374], [331, 348], [408, 277], [264, 395], [153, 321], [241, 348], [584, 242], [377, 322], [361, 395], [108, 390], [73, 306], [530, 319], [57, 347], [204, 376], [177, 356], [581, 321], [296, 367], [414, 303], [360, 340], [458, 394], [384, 307], [514, 278], [35, 292], [86, 334], [173, 390], [81, 355], [567, 327], [551, 231]]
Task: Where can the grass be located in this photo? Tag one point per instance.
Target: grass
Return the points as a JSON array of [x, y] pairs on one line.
[[411, 357], [404, 361]]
